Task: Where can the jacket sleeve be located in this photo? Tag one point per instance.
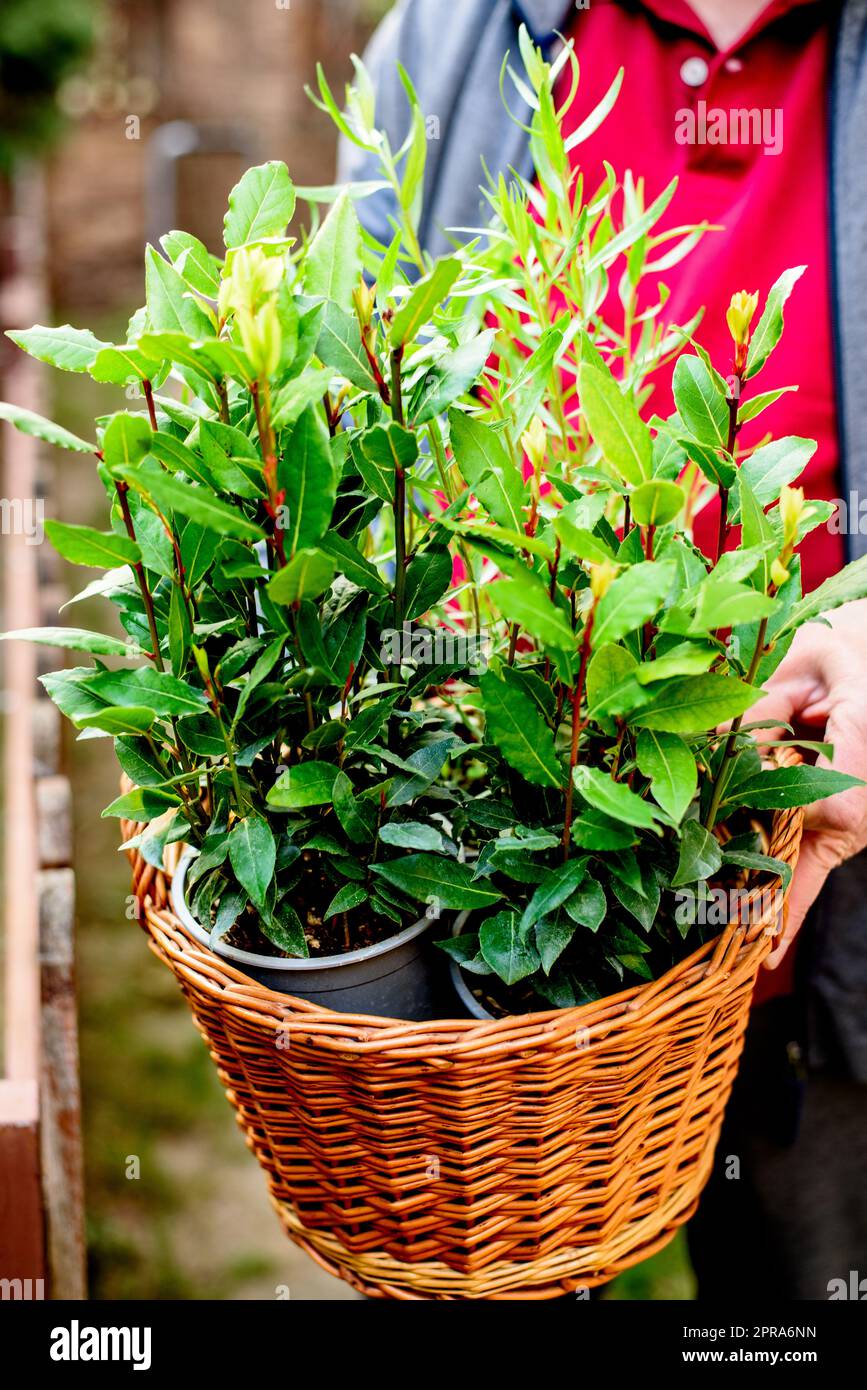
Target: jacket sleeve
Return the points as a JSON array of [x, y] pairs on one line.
[[435, 41]]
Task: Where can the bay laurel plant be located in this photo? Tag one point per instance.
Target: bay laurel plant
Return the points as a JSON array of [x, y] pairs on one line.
[[342, 448], [624, 776]]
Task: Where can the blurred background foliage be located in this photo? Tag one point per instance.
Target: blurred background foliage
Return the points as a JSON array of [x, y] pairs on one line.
[[176, 1206], [40, 44]]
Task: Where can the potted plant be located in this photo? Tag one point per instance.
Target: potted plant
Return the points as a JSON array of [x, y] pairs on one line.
[[466, 440], [268, 716]]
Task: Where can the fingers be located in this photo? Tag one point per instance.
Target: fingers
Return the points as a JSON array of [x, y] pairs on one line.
[[812, 871]]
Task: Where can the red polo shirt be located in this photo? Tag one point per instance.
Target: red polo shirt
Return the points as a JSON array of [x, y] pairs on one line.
[[773, 206]]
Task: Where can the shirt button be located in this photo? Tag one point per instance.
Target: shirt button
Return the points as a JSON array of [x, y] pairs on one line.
[[694, 72], [733, 65]]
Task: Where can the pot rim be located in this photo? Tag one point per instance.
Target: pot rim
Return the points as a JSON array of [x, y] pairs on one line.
[[459, 983], [288, 963]]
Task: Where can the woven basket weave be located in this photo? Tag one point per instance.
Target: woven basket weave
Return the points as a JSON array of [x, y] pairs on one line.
[[518, 1158]]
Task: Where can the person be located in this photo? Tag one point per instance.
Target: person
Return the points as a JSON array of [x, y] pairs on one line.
[[760, 108]]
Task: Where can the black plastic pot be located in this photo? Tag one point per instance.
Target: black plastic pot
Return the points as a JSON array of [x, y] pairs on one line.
[[469, 1002], [403, 977]]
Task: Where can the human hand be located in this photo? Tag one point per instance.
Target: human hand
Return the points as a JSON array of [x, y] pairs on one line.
[[822, 685]]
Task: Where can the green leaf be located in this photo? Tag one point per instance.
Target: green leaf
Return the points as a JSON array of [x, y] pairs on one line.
[[506, 950], [339, 346], [695, 704], [552, 938], [381, 452], [595, 831], [83, 545], [761, 863], [587, 905], [126, 440], [353, 564], [198, 503], [845, 587], [28, 422], [754, 405], [701, 402], [308, 574], [657, 503], [193, 262], [526, 601], [285, 930], [180, 349], [615, 425], [632, 600], [726, 603], [553, 891], [75, 639], [441, 882], [290, 402], [141, 804], [615, 799], [121, 719], [756, 532], [487, 469], [261, 205], [580, 542], [781, 787], [357, 817], [310, 480], [345, 899], [775, 465], [308, 784], [253, 854], [671, 767], [70, 349], [427, 295], [450, 377], [170, 304], [516, 725], [124, 363], [179, 458], [139, 761], [769, 329], [332, 268], [700, 855], [427, 578], [414, 835], [157, 690], [611, 680]]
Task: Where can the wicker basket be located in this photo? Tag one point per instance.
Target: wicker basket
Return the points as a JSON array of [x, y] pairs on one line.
[[518, 1158]]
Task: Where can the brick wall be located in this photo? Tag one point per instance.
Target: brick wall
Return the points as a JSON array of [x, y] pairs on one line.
[[218, 63]]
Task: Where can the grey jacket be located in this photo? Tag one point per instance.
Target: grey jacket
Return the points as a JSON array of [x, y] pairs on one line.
[[453, 50]]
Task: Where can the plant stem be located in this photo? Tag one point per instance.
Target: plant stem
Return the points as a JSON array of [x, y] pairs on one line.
[[122, 489], [268, 446], [399, 496], [723, 530], [724, 771], [149, 397], [577, 697]]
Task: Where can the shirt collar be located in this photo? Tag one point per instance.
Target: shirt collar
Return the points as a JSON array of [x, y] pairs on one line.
[[544, 18]]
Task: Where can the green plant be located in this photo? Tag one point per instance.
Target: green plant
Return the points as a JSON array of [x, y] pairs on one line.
[[618, 648], [270, 720], [323, 460]]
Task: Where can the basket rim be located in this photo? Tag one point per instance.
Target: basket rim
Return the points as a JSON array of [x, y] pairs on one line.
[[727, 960]]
